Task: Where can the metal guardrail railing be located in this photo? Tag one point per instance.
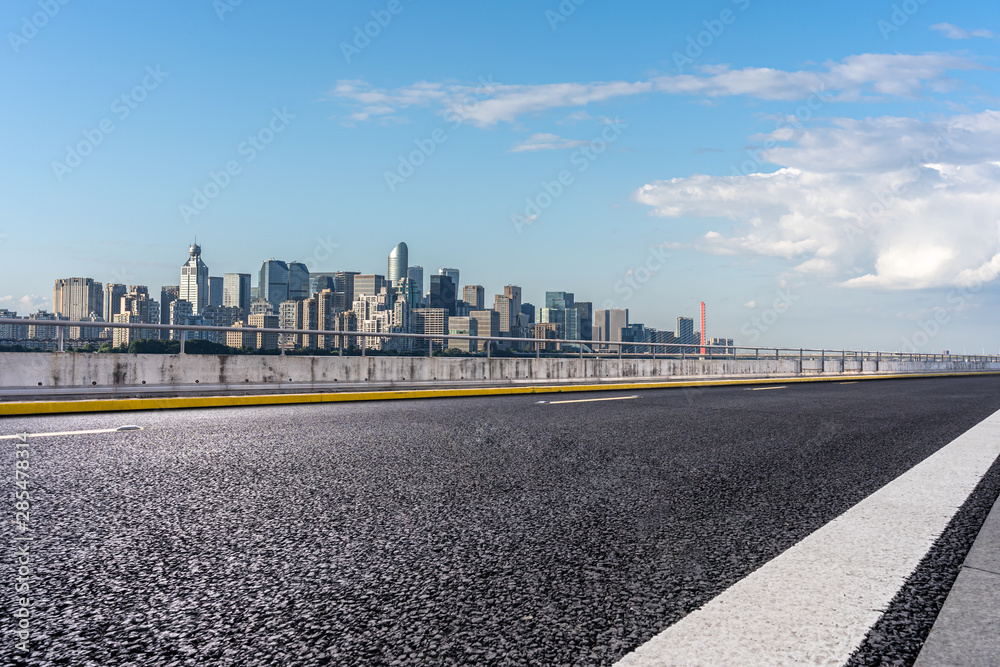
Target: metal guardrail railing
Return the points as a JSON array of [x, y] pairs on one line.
[[585, 348]]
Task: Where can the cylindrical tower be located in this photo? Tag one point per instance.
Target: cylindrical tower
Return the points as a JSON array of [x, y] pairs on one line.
[[398, 261]]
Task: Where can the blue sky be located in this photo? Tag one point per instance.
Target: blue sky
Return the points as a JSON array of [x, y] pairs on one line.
[[821, 174]]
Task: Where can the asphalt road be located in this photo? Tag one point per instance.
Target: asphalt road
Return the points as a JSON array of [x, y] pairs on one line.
[[457, 531]]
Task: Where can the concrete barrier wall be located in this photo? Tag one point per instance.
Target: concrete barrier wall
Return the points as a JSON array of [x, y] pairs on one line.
[[78, 370]]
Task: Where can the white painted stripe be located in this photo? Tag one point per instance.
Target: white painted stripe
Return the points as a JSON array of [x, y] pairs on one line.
[[590, 400], [815, 603], [23, 436], [766, 388], [852, 382]]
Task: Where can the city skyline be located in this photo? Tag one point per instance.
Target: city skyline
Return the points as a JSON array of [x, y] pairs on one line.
[[837, 191]]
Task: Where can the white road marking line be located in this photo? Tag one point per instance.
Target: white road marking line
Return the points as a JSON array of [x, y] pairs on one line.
[[766, 388], [22, 436], [591, 400], [852, 382], [815, 603]]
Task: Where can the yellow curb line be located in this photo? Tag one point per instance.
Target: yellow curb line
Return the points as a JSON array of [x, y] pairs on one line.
[[182, 402]]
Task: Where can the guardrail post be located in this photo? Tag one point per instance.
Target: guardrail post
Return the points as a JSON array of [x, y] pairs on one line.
[[61, 337], [183, 337], [822, 361], [800, 361], [364, 344]]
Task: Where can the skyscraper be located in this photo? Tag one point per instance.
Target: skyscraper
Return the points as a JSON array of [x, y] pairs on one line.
[[368, 284], [608, 324], [113, 293], [398, 259], [215, 290], [168, 294], [77, 299], [344, 284], [298, 281], [236, 291], [273, 282], [416, 274], [451, 273], [443, 293], [475, 296], [685, 331], [586, 311], [194, 280]]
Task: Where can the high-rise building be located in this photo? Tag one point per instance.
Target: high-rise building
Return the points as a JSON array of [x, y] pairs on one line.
[[429, 321], [463, 326], [512, 292], [560, 309], [408, 291], [487, 323], [181, 312], [273, 282], [528, 310], [236, 291], [504, 307], [215, 291], [265, 341], [321, 281], [194, 280], [608, 324], [685, 332], [443, 293], [344, 284], [398, 259], [298, 280], [113, 293], [475, 296], [416, 274], [168, 294], [78, 299], [136, 307], [368, 284], [586, 312], [451, 273]]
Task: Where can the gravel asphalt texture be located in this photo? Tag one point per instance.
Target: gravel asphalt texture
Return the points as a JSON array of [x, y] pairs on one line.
[[475, 531]]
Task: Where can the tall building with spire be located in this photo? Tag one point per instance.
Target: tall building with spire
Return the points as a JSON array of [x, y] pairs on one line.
[[398, 260], [194, 280]]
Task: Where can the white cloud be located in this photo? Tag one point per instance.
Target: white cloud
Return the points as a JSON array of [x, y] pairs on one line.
[[24, 305], [954, 32], [543, 141], [856, 77], [883, 202]]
